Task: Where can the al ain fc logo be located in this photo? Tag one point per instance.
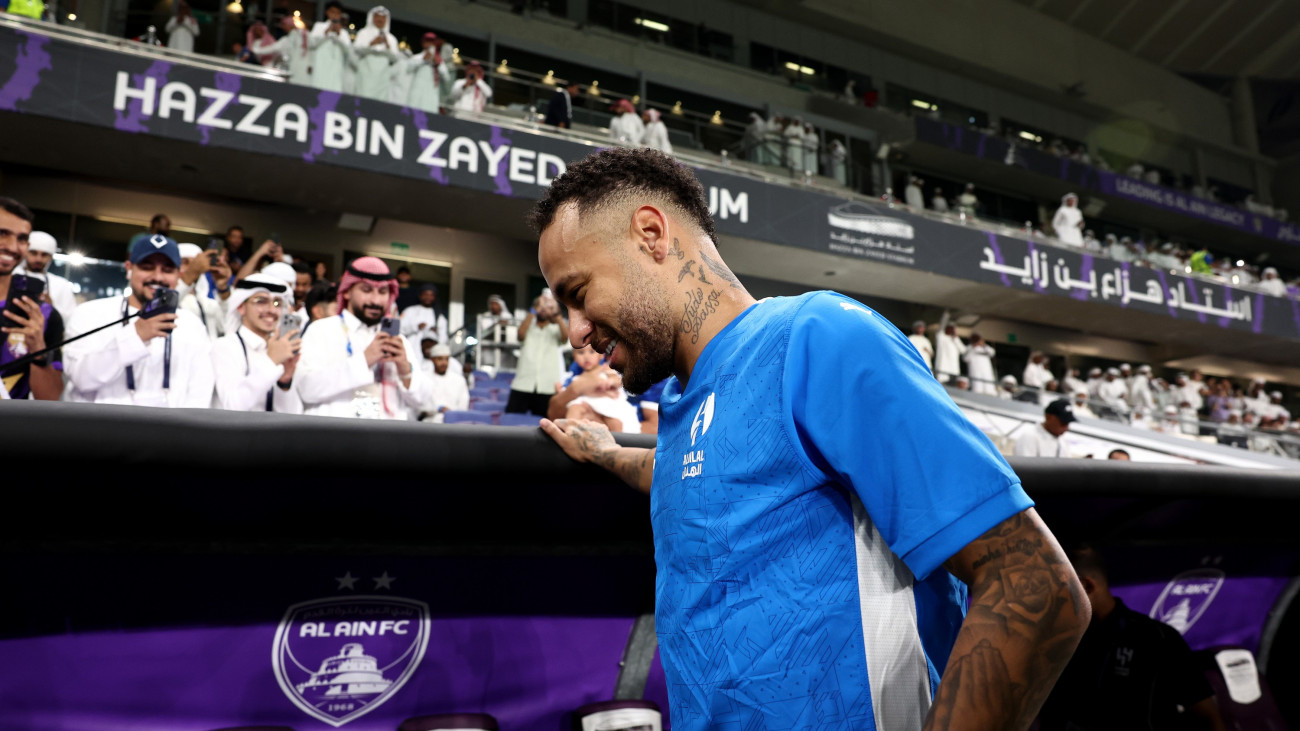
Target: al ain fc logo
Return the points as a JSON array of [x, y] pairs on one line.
[[1186, 597], [338, 659]]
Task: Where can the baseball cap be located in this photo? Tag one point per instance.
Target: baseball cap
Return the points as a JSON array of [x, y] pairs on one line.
[[1062, 410], [148, 245]]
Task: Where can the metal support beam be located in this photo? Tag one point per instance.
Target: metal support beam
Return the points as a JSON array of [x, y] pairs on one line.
[[1115, 21], [1252, 25], [1078, 11], [1168, 15], [1200, 29]]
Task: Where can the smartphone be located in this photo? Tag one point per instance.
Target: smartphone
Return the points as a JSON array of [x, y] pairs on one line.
[[164, 302], [214, 257], [390, 326], [21, 286], [289, 323], [275, 237]]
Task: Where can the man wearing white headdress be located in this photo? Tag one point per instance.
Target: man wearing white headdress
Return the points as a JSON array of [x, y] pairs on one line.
[[1270, 284], [376, 49], [794, 145], [195, 291], [753, 139], [41, 248], [839, 159], [292, 52], [812, 142], [1068, 221], [254, 365], [429, 75], [332, 58], [656, 133]]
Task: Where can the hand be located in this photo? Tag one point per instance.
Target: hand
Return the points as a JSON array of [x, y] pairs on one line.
[[31, 327], [197, 267], [423, 325], [375, 351], [221, 270], [155, 327], [378, 40], [282, 348], [395, 353], [583, 441], [290, 366]]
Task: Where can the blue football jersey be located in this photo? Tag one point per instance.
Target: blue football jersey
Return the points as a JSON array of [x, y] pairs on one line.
[[809, 483]]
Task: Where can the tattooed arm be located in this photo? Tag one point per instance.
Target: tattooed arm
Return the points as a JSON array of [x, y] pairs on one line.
[[587, 442], [1027, 614]]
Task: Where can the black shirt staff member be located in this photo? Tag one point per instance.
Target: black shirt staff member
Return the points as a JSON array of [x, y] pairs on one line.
[[1129, 672]]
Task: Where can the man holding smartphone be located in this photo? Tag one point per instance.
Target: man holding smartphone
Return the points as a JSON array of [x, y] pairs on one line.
[[29, 324], [357, 364], [255, 364], [540, 363]]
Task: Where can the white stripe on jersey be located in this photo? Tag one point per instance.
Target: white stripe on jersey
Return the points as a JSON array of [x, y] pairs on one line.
[[896, 664]]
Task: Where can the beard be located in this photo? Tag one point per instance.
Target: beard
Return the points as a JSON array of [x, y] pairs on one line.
[[368, 321], [648, 335]]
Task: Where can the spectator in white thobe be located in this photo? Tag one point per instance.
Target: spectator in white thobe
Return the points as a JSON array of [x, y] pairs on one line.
[[431, 75], [1113, 392], [349, 367], [1139, 390], [922, 343], [1081, 405], [839, 159], [1007, 388], [448, 390], [1036, 374], [376, 50], [656, 133], [626, 127], [196, 293], [1068, 221], [255, 364], [979, 366], [938, 202], [1072, 383], [1270, 284], [948, 352], [41, 248], [332, 58], [1044, 439], [472, 93], [292, 52], [967, 202], [424, 317], [811, 143], [1094, 382], [793, 135], [182, 29], [912, 194]]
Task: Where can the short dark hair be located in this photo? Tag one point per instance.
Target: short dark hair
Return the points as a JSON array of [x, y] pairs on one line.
[[334, 4], [158, 217], [616, 171], [15, 208], [403, 268], [240, 229], [321, 291], [302, 267], [1114, 452], [1086, 559]]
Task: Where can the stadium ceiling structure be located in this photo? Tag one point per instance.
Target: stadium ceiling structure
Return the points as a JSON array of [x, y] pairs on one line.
[[1224, 38]]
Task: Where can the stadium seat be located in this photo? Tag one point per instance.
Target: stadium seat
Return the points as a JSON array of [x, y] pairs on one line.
[[483, 393], [467, 417], [1244, 698], [625, 714], [518, 420], [490, 407], [481, 376], [458, 721]]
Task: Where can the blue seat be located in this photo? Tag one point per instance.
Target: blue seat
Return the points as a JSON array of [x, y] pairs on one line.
[[481, 376], [489, 407], [483, 393], [518, 420], [467, 417]]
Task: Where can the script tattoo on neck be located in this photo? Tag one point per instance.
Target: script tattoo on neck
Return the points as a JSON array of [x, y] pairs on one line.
[[719, 269], [697, 311]]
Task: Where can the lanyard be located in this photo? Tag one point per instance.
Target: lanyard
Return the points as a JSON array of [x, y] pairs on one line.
[[247, 370], [343, 324], [167, 359]]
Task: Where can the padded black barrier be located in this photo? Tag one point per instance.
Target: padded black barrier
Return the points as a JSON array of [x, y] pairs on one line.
[[104, 476]]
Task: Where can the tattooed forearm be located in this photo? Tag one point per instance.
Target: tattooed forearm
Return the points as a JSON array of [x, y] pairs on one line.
[[721, 270], [1027, 614], [697, 311], [633, 466]]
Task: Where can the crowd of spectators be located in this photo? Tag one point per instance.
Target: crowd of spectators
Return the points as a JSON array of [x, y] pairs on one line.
[[791, 143], [1068, 228], [1188, 405], [254, 329]]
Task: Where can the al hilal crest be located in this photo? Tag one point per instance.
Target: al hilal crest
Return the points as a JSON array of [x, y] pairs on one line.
[[341, 658]]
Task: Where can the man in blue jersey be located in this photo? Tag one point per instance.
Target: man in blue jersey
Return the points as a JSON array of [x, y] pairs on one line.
[[814, 555]]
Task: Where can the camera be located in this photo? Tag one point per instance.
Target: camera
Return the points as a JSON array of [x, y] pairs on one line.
[[164, 302]]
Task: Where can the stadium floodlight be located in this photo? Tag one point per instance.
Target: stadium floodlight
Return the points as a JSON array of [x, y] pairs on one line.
[[76, 259], [235, 7], [925, 105], [72, 16], [1030, 136], [652, 24]]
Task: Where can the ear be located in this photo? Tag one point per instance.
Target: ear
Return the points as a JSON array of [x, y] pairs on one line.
[[1089, 584], [651, 232]]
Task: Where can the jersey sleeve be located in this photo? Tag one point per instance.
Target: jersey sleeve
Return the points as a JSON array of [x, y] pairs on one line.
[[868, 413]]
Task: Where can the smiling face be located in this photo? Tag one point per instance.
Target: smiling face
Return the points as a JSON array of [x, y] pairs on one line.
[[13, 243], [619, 303], [261, 313], [151, 272], [368, 301]]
